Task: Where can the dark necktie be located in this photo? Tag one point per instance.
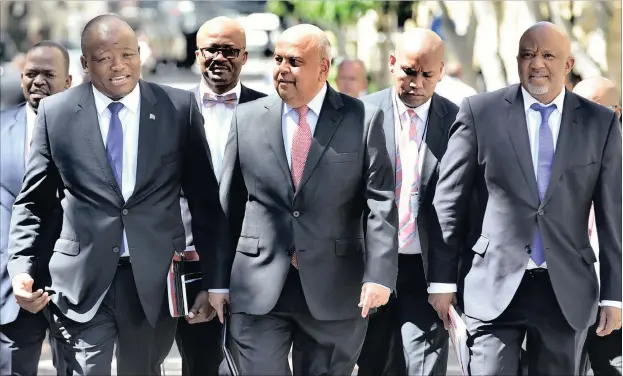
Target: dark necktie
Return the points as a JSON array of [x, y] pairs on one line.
[[544, 170]]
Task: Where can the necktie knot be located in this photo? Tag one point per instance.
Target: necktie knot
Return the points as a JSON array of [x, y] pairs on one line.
[[412, 114], [545, 111], [302, 111], [115, 107], [228, 100]]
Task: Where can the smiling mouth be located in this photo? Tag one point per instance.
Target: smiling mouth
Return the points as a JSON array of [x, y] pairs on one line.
[[537, 76], [120, 80]]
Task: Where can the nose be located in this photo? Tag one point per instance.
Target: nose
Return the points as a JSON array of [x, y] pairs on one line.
[[536, 62], [117, 64], [417, 82], [219, 56], [39, 80]]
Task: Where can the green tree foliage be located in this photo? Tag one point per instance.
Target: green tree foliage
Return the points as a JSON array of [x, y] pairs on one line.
[[325, 13]]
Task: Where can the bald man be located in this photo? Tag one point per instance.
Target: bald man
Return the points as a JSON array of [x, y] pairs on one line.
[[119, 150], [407, 336], [541, 156], [221, 54], [602, 354], [304, 167], [351, 78]]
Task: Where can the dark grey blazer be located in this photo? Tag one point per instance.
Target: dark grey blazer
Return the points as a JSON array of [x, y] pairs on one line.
[[68, 154], [489, 152], [348, 174]]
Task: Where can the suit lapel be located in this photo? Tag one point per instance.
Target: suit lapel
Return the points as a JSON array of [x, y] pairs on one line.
[[435, 138], [565, 143], [389, 126], [328, 121], [197, 93], [244, 95], [147, 136], [271, 123], [87, 117], [518, 132], [14, 143]]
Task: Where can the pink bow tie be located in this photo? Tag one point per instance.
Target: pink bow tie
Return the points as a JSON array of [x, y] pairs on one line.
[[228, 100]]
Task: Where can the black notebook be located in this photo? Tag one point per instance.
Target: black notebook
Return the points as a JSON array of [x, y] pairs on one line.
[[183, 282]]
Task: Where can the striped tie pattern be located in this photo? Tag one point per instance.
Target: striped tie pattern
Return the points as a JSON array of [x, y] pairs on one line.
[[410, 177]]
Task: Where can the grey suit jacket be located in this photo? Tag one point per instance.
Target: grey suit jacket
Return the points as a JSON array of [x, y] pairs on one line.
[[489, 151], [246, 95], [348, 173], [442, 114], [68, 154]]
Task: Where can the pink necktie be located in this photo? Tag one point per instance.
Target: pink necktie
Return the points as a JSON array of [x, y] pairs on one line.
[[301, 141], [407, 228]]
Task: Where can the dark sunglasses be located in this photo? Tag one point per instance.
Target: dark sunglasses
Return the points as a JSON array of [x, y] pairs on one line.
[[212, 52]]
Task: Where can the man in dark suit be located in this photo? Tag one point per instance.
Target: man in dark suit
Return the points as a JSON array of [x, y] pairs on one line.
[[305, 167], [542, 155], [221, 44], [601, 353], [406, 336], [119, 149], [46, 72]]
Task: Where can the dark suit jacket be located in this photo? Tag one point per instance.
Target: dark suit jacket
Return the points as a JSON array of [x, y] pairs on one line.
[[442, 114], [347, 170], [489, 151], [246, 95], [68, 154]]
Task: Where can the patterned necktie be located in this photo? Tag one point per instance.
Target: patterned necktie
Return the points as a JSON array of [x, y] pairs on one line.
[[544, 171], [301, 142], [114, 148], [228, 100], [407, 223]]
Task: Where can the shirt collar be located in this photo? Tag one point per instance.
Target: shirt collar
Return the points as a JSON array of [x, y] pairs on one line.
[[529, 100], [130, 101], [421, 110], [30, 115], [205, 89], [314, 105]]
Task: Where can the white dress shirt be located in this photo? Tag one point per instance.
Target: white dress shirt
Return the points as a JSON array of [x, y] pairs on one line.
[[129, 116], [31, 117], [217, 123]]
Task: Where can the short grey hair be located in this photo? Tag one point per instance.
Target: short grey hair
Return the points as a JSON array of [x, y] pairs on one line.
[[324, 46]]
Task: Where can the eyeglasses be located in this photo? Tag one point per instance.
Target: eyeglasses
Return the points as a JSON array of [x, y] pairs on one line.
[[212, 52]]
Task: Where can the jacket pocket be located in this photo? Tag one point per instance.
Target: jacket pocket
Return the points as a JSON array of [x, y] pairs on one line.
[[66, 246], [248, 246], [588, 255], [347, 247], [481, 245]]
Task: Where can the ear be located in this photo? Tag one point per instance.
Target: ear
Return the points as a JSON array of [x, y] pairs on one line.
[[245, 56], [392, 63], [325, 65], [68, 81], [83, 61], [441, 68], [569, 64]]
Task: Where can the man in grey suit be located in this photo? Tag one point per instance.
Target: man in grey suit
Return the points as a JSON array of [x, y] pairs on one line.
[[305, 169], [221, 53], [406, 336], [542, 155], [46, 72], [119, 149]]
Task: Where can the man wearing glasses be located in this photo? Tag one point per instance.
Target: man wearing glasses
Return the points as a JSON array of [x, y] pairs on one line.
[[220, 54]]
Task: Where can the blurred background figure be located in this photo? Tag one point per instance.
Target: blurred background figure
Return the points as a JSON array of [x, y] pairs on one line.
[[451, 85], [600, 90], [352, 78], [572, 80]]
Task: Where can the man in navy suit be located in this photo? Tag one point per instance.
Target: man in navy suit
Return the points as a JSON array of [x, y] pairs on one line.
[[46, 72]]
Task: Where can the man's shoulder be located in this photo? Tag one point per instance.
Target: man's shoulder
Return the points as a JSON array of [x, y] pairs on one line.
[[450, 106], [7, 115], [378, 97], [250, 94], [593, 112], [168, 91]]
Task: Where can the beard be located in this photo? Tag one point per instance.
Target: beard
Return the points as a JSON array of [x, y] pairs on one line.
[[537, 90]]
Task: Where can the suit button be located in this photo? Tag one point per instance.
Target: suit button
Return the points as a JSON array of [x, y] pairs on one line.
[[115, 249], [540, 212], [296, 214], [124, 212], [528, 249]]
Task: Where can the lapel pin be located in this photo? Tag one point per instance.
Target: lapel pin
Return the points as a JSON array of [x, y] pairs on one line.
[[152, 117]]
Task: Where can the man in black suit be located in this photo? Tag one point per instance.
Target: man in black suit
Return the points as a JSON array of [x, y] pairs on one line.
[[46, 72], [542, 155], [119, 149], [221, 44], [304, 168], [406, 336]]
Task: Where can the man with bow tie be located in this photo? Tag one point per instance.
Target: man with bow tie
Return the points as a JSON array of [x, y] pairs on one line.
[[220, 54]]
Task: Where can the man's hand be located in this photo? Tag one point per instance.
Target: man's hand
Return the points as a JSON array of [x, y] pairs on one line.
[[32, 302], [201, 311], [609, 320], [372, 296], [441, 303], [219, 301]]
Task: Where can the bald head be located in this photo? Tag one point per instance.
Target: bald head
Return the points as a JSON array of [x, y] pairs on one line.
[[543, 61], [221, 44], [600, 90], [310, 35], [416, 65], [100, 25]]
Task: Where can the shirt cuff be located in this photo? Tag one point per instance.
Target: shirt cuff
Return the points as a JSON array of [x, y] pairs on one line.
[[610, 303], [441, 288], [219, 291], [378, 284]]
